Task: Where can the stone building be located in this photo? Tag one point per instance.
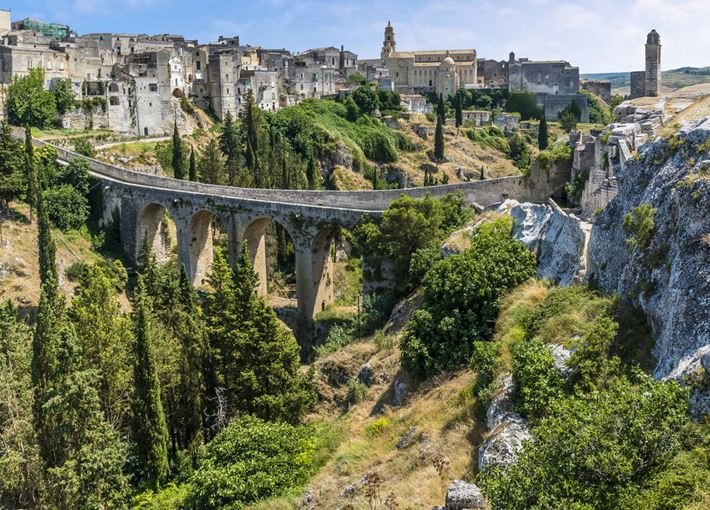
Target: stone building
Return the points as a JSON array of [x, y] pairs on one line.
[[648, 83], [440, 71], [542, 77], [492, 74]]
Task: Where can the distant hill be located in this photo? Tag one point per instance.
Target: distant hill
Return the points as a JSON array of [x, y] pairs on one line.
[[672, 79]]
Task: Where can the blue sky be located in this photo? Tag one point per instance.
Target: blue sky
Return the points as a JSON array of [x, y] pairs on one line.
[[597, 35]]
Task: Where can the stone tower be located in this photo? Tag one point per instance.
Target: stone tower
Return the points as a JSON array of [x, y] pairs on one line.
[[653, 64], [389, 45]]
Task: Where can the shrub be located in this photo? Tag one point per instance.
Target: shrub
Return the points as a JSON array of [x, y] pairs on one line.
[[357, 391], [83, 146], [639, 225], [74, 271], [422, 261], [66, 207], [594, 449], [251, 460], [461, 299], [384, 342], [485, 360], [524, 103], [338, 337], [378, 426], [536, 380]]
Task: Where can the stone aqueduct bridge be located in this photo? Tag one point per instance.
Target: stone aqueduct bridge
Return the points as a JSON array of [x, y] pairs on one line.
[[310, 217]]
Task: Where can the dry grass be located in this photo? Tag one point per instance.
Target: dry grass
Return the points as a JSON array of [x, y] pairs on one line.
[[18, 258], [343, 179], [442, 414]]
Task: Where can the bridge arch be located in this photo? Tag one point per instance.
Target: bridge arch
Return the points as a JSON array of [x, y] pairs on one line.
[[155, 225], [204, 229], [255, 236]]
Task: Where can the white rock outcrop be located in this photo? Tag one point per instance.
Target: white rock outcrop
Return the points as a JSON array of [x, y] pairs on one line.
[[557, 238], [669, 278], [464, 496]]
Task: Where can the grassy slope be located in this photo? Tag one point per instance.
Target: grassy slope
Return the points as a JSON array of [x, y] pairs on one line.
[[441, 413], [18, 256]]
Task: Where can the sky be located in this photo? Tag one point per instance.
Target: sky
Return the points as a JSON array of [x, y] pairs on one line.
[[596, 35]]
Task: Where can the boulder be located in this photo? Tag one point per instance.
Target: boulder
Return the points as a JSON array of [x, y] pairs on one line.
[[502, 447], [399, 393], [366, 375], [561, 355], [501, 405], [408, 439], [464, 496]]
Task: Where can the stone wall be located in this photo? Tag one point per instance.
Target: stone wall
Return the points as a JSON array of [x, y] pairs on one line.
[[81, 119], [554, 104], [638, 84], [600, 88]]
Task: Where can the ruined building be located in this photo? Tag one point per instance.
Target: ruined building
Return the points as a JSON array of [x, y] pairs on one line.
[[648, 83]]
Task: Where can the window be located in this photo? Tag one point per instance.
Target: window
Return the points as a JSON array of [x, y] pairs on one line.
[[153, 87], [113, 87], [113, 101], [199, 65]]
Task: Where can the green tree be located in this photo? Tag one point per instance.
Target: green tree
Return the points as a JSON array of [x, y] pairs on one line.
[[640, 225], [311, 172], [66, 207], [570, 116], [595, 450], [83, 146], [252, 460], [258, 359], [461, 299], [211, 167], [47, 249], [12, 164], [351, 108], [21, 469], [253, 134], [86, 469], [30, 171], [366, 99], [63, 96], [459, 109], [439, 148], [104, 333], [29, 103], [524, 103], [537, 382], [191, 334], [542, 136], [230, 145], [177, 161], [149, 427], [192, 174]]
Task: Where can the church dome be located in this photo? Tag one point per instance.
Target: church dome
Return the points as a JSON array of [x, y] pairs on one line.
[[449, 61]]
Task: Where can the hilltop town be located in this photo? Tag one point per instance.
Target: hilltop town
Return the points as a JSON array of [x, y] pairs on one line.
[[139, 82]]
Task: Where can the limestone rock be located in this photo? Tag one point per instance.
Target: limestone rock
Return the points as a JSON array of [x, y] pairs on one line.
[[400, 391], [561, 355], [670, 278], [421, 131], [556, 237], [464, 496], [408, 439], [500, 406], [501, 449]]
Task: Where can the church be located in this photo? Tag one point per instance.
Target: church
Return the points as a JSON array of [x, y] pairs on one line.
[[440, 71]]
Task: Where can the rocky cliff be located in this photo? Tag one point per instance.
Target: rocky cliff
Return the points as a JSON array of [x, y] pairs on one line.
[[667, 271]]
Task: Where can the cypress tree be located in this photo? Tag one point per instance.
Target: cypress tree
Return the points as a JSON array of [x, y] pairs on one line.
[[311, 171], [193, 166], [439, 139], [441, 108], [542, 136], [191, 336], [47, 250], [149, 425], [211, 168], [31, 172], [230, 147], [177, 154], [459, 109]]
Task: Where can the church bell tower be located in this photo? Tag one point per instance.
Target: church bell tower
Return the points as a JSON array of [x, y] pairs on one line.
[[389, 45]]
